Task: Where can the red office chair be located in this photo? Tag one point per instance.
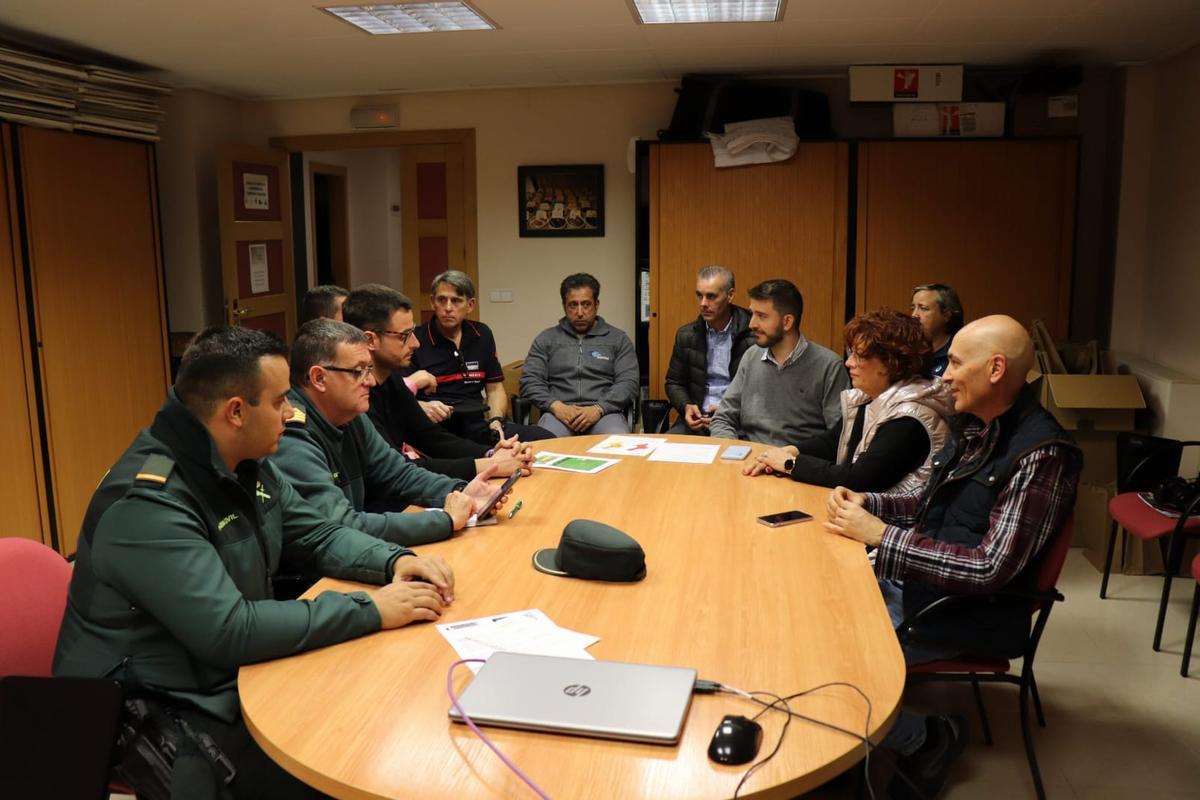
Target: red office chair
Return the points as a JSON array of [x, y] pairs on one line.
[[1191, 634], [974, 670], [58, 734], [1142, 463]]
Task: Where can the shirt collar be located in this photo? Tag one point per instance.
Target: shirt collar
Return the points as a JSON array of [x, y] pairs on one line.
[[797, 351], [728, 325]]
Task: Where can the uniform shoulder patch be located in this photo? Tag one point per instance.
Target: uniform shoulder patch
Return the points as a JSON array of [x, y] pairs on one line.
[[155, 470], [298, 417]]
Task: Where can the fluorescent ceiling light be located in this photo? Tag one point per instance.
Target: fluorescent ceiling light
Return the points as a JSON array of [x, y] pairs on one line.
[[453, 15], [659, 12]]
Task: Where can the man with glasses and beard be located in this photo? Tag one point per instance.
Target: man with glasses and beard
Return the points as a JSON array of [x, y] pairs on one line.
[[786, 388]]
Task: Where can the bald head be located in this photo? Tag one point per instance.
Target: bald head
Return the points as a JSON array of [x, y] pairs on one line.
[[989, 360]]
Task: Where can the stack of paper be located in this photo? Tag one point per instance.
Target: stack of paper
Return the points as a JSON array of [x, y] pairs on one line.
[[529, 631], [567, 463], [620, 445]]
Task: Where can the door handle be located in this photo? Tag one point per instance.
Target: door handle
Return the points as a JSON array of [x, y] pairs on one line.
[[241, 312]]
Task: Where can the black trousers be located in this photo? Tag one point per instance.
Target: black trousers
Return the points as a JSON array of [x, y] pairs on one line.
[[476, 429], [258, 777]]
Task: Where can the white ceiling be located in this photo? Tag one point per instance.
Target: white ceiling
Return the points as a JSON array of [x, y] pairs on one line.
[[289, 48]]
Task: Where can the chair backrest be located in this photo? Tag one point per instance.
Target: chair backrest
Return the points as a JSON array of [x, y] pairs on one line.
[[1133, 448], [1054, 555], [33, 596]]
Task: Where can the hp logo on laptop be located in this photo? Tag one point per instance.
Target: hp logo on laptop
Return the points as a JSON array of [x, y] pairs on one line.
[[577, 690]]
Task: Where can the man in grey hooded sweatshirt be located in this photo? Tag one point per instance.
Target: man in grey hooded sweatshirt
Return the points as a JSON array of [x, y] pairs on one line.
[[582, 373]]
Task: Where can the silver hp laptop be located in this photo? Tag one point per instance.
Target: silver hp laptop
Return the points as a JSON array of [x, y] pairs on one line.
[[606, 699]]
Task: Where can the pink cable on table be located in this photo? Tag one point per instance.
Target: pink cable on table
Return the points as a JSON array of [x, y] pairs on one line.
[[481, 734]]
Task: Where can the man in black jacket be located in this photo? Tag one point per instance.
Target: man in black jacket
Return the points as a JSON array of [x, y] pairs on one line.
[[386, 317], [707, 352]]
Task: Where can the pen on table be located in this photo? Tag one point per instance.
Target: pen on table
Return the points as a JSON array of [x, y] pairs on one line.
[[516, 508]]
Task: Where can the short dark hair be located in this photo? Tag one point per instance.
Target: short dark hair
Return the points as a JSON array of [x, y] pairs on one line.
[[579, 280], [895, 338], [783, 294], [321, 301], [370, 306], [221, 362], [948, 302], [317, 343]]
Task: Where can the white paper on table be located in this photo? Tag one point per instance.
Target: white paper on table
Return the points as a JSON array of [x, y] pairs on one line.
[[685, 453], [619, 445], [528, 631], [587, 465], [474, 521]]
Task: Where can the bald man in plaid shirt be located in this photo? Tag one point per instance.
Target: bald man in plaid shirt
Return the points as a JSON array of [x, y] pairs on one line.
[[999, 491]]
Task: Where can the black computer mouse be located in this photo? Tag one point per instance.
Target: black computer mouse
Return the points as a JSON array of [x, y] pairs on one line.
[[735, 741]]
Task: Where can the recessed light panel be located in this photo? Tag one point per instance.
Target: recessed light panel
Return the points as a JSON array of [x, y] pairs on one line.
[[661, 12], [453, 15]]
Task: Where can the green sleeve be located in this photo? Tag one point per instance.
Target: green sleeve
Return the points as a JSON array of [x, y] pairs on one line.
[[154, 551], [301, 462]]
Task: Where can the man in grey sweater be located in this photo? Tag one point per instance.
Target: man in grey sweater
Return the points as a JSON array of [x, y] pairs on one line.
[[582, 373], [786, 388]]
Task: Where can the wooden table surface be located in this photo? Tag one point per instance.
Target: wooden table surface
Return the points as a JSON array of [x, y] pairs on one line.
[[780, 610]]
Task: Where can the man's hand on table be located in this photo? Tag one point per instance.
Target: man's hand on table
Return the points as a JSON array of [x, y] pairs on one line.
[[848, 518], [420, 590]]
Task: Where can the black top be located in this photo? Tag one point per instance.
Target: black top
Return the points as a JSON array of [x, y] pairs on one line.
[[461, 371], [899, 447], [400, 420]]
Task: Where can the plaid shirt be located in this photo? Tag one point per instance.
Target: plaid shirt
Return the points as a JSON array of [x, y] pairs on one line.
[[1033, 504]]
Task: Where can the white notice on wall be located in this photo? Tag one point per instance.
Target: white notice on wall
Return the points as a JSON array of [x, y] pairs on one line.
[[255, 194], [259, 281]]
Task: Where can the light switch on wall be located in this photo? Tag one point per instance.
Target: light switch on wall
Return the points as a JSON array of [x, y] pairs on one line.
[[501, 295]]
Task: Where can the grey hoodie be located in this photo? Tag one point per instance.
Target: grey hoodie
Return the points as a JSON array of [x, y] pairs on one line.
[[598, 368]]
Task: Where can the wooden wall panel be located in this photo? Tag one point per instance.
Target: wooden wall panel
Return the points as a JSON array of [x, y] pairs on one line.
[[994, 219], [93, 242], [783, 220], [22, 494]]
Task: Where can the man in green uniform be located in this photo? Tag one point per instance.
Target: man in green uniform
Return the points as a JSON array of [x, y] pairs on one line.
[[171, 591], [333, 456]]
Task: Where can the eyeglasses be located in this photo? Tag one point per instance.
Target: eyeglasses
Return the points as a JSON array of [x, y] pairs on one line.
[[401, 335], [360, 373]]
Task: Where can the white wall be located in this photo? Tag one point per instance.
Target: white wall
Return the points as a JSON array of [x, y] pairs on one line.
[[574, 125], [372, 186], [195, 124], [1158, 266]]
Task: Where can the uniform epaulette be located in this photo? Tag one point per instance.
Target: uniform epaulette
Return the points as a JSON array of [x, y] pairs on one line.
[[298, 417], [155, 471]]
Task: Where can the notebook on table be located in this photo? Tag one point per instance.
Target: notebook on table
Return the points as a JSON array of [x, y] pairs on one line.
[[605, 699]]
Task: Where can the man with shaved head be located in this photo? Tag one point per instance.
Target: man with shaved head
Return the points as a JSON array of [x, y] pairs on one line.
[[1000, 489]]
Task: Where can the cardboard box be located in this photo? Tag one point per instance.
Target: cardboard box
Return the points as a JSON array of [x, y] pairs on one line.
[[1092, 402], [1042, 115], [957, 120], [905, 84]]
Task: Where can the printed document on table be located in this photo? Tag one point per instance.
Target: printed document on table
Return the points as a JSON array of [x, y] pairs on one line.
[[584, 464], [528, 631], [628, 445], [685, 453]]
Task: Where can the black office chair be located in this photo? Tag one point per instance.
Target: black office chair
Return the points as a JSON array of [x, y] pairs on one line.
[[656, 416]]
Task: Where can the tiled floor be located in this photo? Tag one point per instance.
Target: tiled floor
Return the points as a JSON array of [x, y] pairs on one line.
[[1121, 721]]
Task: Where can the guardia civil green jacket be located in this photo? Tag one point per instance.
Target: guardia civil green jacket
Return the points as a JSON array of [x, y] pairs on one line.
[[346, 471], [171, 591]]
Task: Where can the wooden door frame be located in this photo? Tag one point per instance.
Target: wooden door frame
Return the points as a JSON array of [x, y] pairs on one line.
[[339, 217], [376, 139]]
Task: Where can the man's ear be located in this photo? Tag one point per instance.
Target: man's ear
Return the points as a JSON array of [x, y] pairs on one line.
[[372, 340], [784, 319], [235, 412], [997, 368], [470, 304], [316, 378]]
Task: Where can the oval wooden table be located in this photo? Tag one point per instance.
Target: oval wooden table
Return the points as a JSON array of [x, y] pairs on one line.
[[775, 609]]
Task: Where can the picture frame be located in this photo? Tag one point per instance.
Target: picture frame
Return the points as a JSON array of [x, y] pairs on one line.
[[560, 200]]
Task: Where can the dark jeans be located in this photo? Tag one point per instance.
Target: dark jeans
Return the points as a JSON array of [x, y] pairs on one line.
[[258, 777], [476, 429]]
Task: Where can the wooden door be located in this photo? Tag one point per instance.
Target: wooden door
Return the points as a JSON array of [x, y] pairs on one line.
[[256, 239], [435, 208], [91, 224], [994, 219], [782, 220], [22, 492]]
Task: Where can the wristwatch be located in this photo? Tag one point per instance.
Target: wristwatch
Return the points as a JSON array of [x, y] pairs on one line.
[[789, 465]]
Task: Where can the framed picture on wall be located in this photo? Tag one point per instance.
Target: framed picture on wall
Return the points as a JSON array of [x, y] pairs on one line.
[[561, 200]]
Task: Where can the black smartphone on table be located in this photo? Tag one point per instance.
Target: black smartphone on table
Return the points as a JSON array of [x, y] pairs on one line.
[[783, 518]]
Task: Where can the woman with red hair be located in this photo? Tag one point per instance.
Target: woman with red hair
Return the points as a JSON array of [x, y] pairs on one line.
[[894, 418]]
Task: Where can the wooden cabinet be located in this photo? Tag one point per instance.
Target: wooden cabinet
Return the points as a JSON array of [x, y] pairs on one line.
[[91, 249], [783, 220]]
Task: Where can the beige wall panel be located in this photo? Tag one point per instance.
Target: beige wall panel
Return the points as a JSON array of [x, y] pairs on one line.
[[993, 219], [21, 493], [94, 249], [784, 220]]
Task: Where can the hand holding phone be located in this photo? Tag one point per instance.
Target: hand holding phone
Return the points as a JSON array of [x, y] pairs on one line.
[[486, 511]]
